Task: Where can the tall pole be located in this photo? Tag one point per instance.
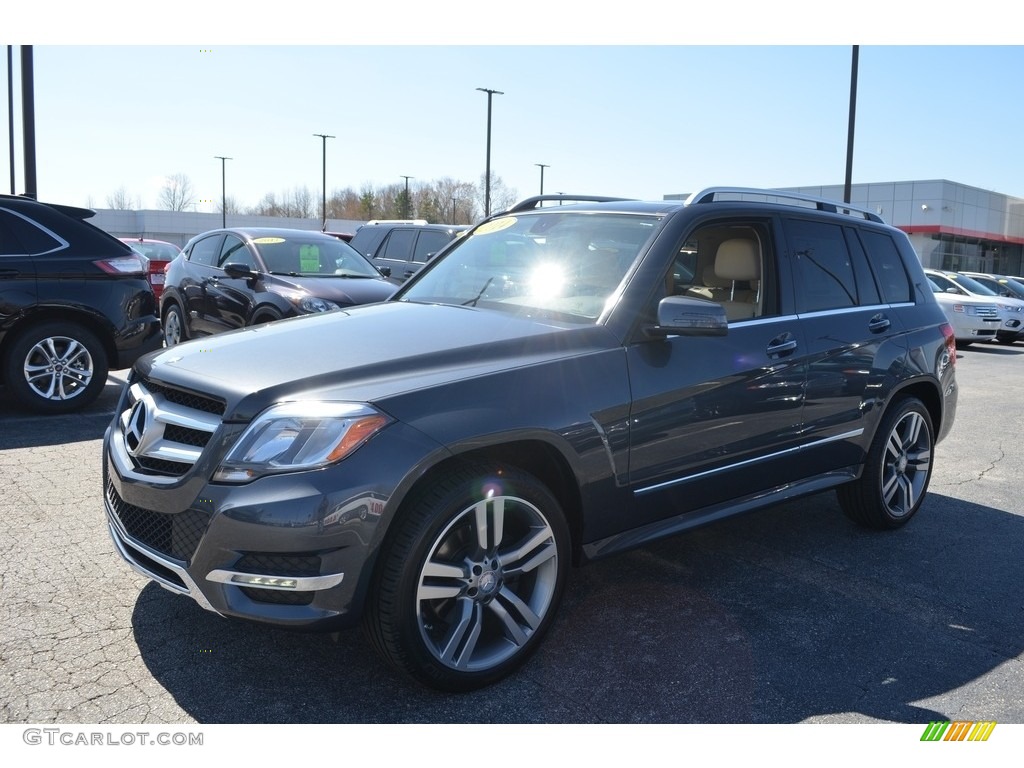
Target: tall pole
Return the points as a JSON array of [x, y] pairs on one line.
[[10, 107], [405, 202], [542, 167], [28, 120], [223, 192], [323, 201], [848, 189], [487, 178]]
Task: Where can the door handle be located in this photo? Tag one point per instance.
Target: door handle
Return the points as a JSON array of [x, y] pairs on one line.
[[782, 345], [878, 323]]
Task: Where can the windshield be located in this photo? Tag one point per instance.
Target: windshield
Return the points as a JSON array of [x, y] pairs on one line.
[[561, 263], [312, 256], [971, 285], [1015, 288]]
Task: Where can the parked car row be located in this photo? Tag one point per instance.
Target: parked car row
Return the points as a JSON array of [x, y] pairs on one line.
[[980, 307]]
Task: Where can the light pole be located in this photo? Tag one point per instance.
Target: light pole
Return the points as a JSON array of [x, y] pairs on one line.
[[405, 207], [487, 178], [223, 192], [848, 187], [542, 167], [323, 200]]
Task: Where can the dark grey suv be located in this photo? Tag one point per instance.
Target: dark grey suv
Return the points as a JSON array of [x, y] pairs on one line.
[[403, 246], [564, 383]]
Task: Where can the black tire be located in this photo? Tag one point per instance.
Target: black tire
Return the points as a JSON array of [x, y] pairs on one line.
[[56, 368], [174, 328], [897, 470], [470, 579]]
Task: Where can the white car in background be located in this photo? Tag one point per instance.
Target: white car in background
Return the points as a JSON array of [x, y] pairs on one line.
[[973, 319], [964, 288]]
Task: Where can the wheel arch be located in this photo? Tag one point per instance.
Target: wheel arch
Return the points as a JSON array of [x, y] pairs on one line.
[[264, 313], [534, 456], [99, 328], [928, 393]]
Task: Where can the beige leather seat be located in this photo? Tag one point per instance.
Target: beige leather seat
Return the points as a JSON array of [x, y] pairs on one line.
[[739, 260], [712, 286]]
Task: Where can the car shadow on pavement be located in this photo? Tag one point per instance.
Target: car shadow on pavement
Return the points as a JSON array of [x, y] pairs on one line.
[[20, 428], [789, 615]]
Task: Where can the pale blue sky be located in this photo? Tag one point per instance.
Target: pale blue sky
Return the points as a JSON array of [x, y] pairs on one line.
[[634, 120]]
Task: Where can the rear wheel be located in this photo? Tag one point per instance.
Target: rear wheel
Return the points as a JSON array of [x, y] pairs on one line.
[[898, 468], [471, 578], [56, 368]]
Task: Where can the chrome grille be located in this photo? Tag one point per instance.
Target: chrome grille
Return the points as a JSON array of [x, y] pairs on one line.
[[164, 429]]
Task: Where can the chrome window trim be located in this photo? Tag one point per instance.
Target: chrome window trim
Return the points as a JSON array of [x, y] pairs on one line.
[[62, 242]]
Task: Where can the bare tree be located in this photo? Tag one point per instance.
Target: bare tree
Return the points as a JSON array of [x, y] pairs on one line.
[[229, 205], [344, 204], [502, 197], [121, 200], [454, 200], [267, 206], [177, 193], [300, 203]]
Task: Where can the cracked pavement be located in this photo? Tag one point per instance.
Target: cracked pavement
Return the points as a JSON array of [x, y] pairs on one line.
[[788, 615]]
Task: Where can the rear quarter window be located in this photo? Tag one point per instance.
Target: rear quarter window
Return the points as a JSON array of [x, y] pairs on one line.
[[887, 266], [20, 236]]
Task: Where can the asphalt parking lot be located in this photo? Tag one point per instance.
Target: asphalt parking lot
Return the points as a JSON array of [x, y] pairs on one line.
[[790, 615]]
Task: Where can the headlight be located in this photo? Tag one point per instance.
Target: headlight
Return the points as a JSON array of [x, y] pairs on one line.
[[297, 436], [313, 304]]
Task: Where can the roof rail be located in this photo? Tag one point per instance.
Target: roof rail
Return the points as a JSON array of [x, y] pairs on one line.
[[832, 206], [374, 222], [532, 203]]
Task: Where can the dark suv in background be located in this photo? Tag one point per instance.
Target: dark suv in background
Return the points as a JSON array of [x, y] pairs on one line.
[[561, 384], [403, 246], [74, 303]]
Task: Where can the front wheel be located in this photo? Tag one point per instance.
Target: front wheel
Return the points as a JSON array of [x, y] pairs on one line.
[[471, 578], [174, 326], [897, 471]]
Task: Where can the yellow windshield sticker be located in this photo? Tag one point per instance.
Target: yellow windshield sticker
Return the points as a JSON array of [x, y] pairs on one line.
[[268, 240], [495, 226]]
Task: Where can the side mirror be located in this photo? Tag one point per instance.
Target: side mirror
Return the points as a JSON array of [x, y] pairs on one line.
[[386, 271], [239, 270], [687, 316]]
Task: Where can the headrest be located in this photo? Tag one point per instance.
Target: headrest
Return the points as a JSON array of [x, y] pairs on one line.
[[711, 280], [738, 259]]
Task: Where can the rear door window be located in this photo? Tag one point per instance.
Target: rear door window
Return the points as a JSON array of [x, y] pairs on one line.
[[822, 266], [399, 245], [428, 243]]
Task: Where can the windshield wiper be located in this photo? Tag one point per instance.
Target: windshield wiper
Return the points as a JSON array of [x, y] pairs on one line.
[[472, 302]]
